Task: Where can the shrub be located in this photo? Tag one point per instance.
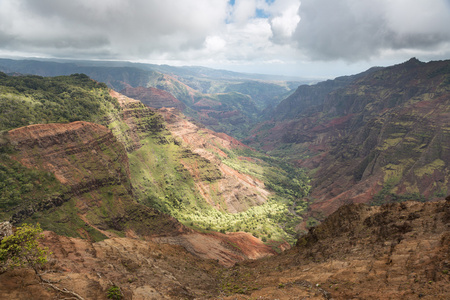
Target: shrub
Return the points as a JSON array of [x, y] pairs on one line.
[[114, 293], [22, 249]]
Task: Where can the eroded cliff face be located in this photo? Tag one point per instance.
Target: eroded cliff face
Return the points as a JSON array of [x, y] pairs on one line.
[[98, 200], [153, 97], [93, 167], [238, 191], [396, 251], [381, 137], [79, 154]]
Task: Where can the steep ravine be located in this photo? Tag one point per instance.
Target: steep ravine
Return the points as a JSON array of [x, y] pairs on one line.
[[377, 137], [185, 170]]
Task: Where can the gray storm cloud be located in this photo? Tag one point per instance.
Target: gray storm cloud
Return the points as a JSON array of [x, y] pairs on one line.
[[353, 30]]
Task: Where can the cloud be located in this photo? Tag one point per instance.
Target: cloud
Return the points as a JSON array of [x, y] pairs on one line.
[[355, 30], [284, 20], [122, 28], [228, 32], [242, 11]]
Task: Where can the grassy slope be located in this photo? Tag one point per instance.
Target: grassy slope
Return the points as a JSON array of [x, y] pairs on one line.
[[162, 182]]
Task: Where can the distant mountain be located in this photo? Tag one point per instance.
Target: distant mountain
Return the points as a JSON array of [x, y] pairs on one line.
[[376, 137], [225, 101]]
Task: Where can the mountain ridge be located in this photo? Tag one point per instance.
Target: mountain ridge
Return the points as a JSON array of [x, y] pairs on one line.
[[230, 94], [369, 140]]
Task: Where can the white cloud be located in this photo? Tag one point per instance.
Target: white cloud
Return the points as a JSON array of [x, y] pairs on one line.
[[242, 11], [121, 27], [284, 19], [213, 32], [214, 43]]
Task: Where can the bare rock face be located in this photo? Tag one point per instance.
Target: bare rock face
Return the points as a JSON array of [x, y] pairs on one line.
[[5, 229]]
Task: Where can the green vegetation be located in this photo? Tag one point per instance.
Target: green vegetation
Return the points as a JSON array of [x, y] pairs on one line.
[[386, 195], [162, 181], [232, 282], [263, 93], [114, 293], [64, 220], [22, 188], [22, 249], [26, 100], [280, 176], [429, 169]]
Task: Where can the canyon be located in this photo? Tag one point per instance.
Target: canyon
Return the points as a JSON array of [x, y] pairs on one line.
[[336, 192]]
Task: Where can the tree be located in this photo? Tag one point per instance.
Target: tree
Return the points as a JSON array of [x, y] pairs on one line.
[[22, 249]]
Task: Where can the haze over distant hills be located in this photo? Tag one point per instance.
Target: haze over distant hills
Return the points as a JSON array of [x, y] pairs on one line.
[[224, 100]]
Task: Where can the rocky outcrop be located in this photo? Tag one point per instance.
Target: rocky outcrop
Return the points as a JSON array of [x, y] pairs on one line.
[[5, 229], [396, 251]]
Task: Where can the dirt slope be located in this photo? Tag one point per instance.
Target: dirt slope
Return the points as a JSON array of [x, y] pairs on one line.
[[142, 269], [397, 251], [239, 191]]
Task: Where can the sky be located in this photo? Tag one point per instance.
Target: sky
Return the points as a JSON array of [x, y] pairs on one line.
[[306, 38]]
